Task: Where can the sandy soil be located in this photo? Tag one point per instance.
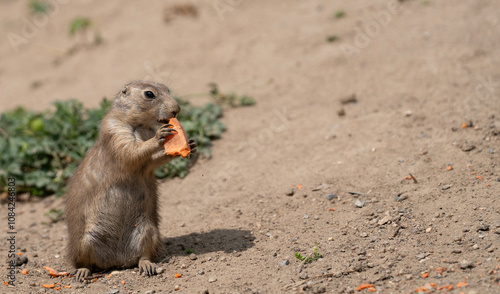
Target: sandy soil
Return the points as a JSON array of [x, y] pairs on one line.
[[418, 71]]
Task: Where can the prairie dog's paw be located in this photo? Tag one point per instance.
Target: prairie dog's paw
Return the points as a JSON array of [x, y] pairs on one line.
[[147, 267], [81, 274], [163, 132]]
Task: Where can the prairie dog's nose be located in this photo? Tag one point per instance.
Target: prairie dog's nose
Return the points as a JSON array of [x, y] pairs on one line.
[[176, 108]]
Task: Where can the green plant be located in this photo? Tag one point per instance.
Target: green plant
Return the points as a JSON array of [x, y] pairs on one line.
[[188, 251], [332, 38], [315, 255], [339, 14], [38, 7], [81, 25], [230, 99], [55, 215], [42, 150]]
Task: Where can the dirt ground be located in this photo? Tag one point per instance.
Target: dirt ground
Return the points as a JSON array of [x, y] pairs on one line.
[[400, 88]]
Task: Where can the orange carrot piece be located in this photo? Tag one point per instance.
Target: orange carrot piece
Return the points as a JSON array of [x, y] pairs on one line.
[[55, 273], [48, 286], [123, 282], [57, 288], [331, 209], [177, 275], [177, 144], [67, 287], [449, 167], [19, 253], [6, 283], [24, 272], [364, 286], [462, 284], [425, 275]]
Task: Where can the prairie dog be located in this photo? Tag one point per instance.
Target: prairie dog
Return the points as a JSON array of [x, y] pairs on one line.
[[112, 200]]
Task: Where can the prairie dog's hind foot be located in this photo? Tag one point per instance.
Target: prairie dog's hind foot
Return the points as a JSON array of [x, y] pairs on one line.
[[81, 274], [147, 267]]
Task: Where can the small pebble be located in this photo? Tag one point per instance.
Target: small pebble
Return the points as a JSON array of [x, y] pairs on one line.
[[475, 246], [114, 291], [384, 220], [176, 287], [285, 262], [201, 272], [428, 230], [212, 279], [291, 192], [306, 216], [456, 251], [464, 264], [401, 197], [359, 203], [484, 228], [160, 270], [150, 292], [330, 196], [316, 217], [193, 256]]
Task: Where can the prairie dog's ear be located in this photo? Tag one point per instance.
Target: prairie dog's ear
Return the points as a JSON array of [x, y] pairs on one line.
[[125, 91]]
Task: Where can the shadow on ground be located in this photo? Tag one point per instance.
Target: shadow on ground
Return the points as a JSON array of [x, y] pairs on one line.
[[226, 240]]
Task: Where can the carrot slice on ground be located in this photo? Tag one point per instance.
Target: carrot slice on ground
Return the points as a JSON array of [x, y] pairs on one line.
[[55, 273], [24, 272], [48, 285], [177, 144], [364, 286]]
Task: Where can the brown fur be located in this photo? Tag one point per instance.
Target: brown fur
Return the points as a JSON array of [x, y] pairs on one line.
[[112, 201]]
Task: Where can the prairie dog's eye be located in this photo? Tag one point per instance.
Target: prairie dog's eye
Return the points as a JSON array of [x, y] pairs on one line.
[[149, 94]]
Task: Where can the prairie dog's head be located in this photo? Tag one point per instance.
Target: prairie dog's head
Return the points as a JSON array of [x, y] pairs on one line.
[[147, 103]]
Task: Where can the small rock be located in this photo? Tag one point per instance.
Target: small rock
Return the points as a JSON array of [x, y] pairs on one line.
[[484, 228], [291, 192], [304, 276], [384, 220], [150, 292], [331, 196], [306, 216], [456, 251], [445, 187], [316, 217], [359, 203], [421, 256], [114, 291], [467, 147], [330, 239], [182, 225], [33, 284], [114, 273], [285, 262], [464, 264], [183, 266], [201, 272], [428, 230], [363, 235], [475, 246], [212, 279], [193, 256], [401, 197], [223, 259], [20, 260], [491, 150], [176, 287], [160, 270]]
